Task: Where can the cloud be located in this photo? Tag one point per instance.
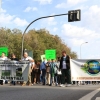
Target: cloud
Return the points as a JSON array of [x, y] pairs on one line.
[[91, 18], [93, 56], [20, 22], [69, 3], [74, 36], [6, 18], [77, 35], [51, 21], [34, 9], [73, 3], [2, 10], [43, 2], [62, 5], [27, 9], [55, 29], [30, 9]]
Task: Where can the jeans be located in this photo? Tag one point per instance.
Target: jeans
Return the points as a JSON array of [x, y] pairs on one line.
[[66, 76], [59, 79], [55, 77], [44, 76]]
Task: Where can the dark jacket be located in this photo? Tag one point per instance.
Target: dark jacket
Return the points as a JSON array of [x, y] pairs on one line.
[[67, 62]]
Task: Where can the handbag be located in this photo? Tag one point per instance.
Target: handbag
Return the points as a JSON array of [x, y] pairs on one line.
[[59, 72]]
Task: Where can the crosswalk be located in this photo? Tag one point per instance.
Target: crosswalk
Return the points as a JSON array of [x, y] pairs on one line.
[[90, 95], [98, 98]]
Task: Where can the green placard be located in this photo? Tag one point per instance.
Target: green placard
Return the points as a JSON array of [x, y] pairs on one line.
[[4, 49], [50, 54], [42, 56]]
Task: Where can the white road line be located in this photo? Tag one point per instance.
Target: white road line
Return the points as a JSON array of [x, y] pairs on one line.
[[98, 98], [90, 95]]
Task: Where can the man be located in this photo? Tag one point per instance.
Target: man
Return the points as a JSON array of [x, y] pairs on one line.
[[3, 56], [53, 73], [65, 67], [48, 71], [43, 71], [31, 66]]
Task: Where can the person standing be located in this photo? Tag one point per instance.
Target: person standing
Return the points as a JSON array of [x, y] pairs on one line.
[[53, 70], [65, 68], [43, 71], [48, 71], [31, 66], [3, 56], [13, 57], [38, 71], [4, 68], [59, 74]]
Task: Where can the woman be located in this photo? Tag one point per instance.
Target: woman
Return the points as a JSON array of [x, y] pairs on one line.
[[13, 57]]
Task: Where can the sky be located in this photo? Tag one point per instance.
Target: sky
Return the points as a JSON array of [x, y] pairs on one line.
[[19, 13]]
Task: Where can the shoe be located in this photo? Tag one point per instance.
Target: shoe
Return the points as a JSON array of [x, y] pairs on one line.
[[68, 84], [78, 84], [23, 85], [62, 85], [50, 85], [34, 83], [29, 84], [56, 84]]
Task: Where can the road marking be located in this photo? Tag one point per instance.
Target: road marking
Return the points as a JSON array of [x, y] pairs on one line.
[[90, 95], [98, 98]]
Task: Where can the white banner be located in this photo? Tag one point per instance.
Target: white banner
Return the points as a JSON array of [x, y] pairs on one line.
[[18, 70], [85, 69]]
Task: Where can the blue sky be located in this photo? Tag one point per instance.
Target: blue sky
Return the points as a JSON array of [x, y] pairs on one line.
[[19, 13]]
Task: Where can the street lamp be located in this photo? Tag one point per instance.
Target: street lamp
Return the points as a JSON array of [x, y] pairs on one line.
[[80, 48]]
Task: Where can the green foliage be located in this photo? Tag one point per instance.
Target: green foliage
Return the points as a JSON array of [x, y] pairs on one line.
[[36, 40]]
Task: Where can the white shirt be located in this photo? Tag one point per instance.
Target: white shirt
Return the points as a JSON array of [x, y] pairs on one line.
[[3, 58], [64, 63], [28, 58]]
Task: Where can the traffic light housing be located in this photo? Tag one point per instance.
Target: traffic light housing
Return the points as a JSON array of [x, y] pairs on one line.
[[74, 15]]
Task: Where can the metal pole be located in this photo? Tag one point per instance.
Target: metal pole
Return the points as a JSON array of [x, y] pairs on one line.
[[80, 48], [32, 23]]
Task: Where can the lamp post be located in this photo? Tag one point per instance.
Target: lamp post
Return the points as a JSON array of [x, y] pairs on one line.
[[80, 48]]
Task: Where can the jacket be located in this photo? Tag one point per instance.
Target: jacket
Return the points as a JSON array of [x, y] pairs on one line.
[[67, 62]]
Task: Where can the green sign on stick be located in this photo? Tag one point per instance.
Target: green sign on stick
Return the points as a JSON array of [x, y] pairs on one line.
[[5, 50], [50, 54]]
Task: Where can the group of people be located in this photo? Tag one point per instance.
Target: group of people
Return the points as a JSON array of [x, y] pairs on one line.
[[4, 57], [47, 72], [51, 72]]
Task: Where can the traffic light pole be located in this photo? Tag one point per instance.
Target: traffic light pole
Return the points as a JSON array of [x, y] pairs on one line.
[[73, 15], [32, 23]]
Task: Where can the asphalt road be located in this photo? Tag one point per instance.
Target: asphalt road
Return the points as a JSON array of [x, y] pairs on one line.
[[39, 92]]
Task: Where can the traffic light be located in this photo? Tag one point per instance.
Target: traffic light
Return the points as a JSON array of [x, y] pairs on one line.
[[71, 16], [74, 15], [77, 15]]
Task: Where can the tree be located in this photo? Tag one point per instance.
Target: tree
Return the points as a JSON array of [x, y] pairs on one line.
[[35, 40]]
